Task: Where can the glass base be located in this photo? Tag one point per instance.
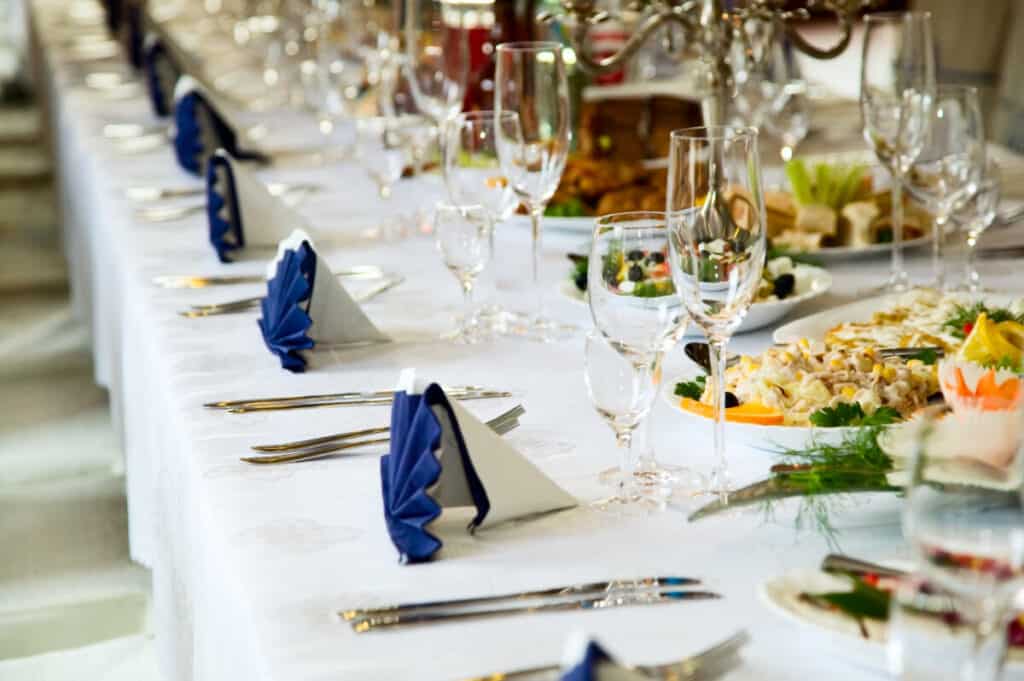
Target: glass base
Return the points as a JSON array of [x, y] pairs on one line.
[[539, 329], [898, 282], [633, 505]]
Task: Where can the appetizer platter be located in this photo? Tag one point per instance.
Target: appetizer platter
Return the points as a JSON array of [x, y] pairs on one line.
[[785, 283], [873, 362], [849, 613]]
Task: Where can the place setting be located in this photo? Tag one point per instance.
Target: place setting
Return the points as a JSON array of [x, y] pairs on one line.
[[437, 338]]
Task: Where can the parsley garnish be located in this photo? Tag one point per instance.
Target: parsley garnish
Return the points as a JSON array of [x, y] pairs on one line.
[[852, 414], [966, 316], [926, 356], [692, 389]]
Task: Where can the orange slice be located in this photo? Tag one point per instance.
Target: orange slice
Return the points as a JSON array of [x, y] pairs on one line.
[[751, 412]]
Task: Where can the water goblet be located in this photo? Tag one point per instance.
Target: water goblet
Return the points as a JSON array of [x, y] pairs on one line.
[[463, 237]]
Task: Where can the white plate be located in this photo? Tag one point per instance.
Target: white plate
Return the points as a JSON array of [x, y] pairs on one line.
[[768, 439], [815, 326], [837, 633], [838, 253], [759, 316]]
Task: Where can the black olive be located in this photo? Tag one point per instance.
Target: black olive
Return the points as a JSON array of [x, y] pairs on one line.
[[731, 400], [657, 257], [784, 285], [581, 281], [636, 273], [635, 255]]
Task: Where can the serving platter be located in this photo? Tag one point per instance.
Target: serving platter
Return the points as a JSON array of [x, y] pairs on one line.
[[838, 633]]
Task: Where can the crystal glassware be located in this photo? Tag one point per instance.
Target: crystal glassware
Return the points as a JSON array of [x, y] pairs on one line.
[[897, 84], [945, 174], [634, 304], [716, 224], [622, 393], [463, 236], [978, 214], [964, 519], [382, 150], [531, 81], [435, 60]]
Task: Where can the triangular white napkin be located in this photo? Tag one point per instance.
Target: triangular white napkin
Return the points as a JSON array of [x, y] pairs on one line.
[[241, 210]]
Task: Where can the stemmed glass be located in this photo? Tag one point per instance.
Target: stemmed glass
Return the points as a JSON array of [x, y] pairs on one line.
[[381, 149], [978, 214], [623, 396], [633, 302], [435, 61], [342, 77], [716, 225], [772, 95], [463, 236], [964, 519], [531, 81], [945, 174], [897, 84], [473, 174]]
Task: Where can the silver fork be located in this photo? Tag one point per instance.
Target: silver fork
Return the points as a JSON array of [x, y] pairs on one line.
[[144, 193], [292, 195], [500, 424], [363, 272], [248, 303]]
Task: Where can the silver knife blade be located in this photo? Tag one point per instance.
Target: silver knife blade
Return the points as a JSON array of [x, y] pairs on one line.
[[605, 602]]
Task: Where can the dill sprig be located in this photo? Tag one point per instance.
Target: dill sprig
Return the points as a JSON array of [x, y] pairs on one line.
[[826, 473]]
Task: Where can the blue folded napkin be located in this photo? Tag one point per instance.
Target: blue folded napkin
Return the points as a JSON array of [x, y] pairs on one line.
[[241, 210], [441, 456], [200, 129], [307, 306], [586, 660], [161, 75], [585, 666]]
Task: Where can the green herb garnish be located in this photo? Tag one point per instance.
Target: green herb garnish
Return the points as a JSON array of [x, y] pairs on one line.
[[966, 316], [852, 414], [864, 602], [654, 289], [692, 389], [831, 185], [570, 208], [796, 256], [578, 273], [926, 356]]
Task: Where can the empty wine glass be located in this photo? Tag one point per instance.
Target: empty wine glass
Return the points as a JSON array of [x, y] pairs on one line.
[[716, 226], [463, 236], [342, 76], [531, 81], [964, 519], [435, 60], [897, 84], [772, 95], [978, 214], [633, 302], [382, 151], [946, 172], [622, 393]]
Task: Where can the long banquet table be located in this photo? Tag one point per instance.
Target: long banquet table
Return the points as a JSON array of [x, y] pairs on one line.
[[250, 564]]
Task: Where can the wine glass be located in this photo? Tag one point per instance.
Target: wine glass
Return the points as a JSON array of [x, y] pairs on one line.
[[382, 151], [435, 60], [463, 236], [622, 393], [342, 75], [964, 520], [473, 176], [716, 221], [772, 95], [946, 172], [978, 214], [531, 81], [633, 302], [897, 84]]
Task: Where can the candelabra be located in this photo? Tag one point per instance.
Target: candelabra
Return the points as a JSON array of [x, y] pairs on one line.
[[708, 29]]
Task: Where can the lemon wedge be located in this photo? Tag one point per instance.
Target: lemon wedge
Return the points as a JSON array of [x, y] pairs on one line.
[[987, 342], [1013, 332]]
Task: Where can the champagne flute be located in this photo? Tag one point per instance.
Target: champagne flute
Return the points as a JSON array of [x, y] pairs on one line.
[[945, 174], [463, 236], [531, 81], [716, 220], [897, 84]]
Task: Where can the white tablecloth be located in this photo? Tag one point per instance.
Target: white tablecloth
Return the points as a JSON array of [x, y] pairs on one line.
[[250, 564]]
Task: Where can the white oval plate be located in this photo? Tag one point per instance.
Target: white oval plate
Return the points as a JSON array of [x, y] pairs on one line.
[[769, 439], [837, 633], [759, 316], [815, 326]]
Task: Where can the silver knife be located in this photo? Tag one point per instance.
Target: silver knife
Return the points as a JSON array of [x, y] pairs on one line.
[[607, 587], [605, 602]]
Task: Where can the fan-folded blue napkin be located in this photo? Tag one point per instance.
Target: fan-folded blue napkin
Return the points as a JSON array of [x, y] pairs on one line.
[[306, 306], [441, 456], [134, 29], [586, 660], [161, 75], [241, 210], [201, 129]]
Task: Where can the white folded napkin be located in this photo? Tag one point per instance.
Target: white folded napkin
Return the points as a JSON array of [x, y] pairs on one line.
[[242, 212], [467, 465], [307, 307]]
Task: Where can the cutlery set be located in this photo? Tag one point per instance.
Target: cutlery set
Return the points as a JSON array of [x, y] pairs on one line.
[[243, 304], [359, 272], [377, 397]]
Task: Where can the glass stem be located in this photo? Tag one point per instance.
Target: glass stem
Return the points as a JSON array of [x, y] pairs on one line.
[[988, 644], [719, 473], [624, 439], [536, 214], [467, 300], [938, 249], [898, 277], [971, 276], [646, 461]]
